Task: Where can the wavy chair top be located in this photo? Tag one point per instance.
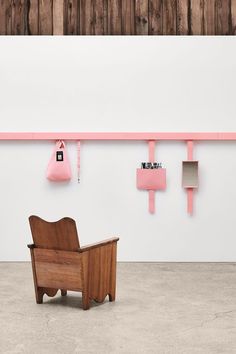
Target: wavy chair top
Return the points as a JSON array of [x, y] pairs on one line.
[[58, 235]]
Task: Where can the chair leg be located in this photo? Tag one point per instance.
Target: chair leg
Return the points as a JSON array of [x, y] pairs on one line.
[[112, 287], [39, 292], [85, 301], [112, 297], [63, 292], [50, 291]]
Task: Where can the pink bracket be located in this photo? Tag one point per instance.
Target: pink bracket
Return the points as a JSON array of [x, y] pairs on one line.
[[190, 150], [151, 146], [190, 201], [190, 190], [151, 195], [78, 160]]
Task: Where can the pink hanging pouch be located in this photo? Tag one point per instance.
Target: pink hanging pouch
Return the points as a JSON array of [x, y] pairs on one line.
[[59, 166], [151, 179]]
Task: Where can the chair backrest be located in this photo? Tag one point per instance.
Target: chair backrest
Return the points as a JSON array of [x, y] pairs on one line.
[[58, 235]]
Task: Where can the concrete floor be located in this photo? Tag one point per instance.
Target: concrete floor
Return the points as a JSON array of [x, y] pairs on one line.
[[161, 308]]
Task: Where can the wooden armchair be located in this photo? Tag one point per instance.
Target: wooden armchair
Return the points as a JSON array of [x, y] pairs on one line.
[[58, 262]]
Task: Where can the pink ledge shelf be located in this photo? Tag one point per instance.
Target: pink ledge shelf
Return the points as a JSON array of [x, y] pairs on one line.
[[117, 136]]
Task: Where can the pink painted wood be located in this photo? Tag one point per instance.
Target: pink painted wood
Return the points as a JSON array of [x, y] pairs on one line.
[[151, 193], [151, 145], [190, 150], [117, 136], [78, 160], [190, 201], [190, 190]]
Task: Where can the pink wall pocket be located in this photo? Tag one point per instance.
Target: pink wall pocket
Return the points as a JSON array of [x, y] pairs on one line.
[[151, 179], [59, 166]]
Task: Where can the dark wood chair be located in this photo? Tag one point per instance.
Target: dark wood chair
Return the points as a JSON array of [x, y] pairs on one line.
[[58, 262]]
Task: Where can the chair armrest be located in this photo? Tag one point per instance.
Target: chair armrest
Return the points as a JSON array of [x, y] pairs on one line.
[[31, 246], [98, 244]]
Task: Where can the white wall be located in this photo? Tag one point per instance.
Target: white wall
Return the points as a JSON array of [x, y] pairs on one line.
[[120, 84]]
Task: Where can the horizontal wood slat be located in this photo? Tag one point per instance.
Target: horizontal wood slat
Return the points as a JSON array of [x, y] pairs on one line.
[[117, 17], [58, 269]]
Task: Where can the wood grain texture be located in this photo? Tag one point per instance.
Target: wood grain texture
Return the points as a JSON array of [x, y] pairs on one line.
[[3, 8], [100, 16], [9, 19], [58, 269], [18, 17], [197, 17], [85, 279], [155, 17], [117, 17], [128, 17], [7, 8], [58, 17], [222, 17], [141, 22], [45, 17], [59, 263], [210, 17], [169, 17], [33, 17], [102, 272], [233, 17], [183, 17], [71, 17], [98, 244], [112, 285], [37, 294], [86, 17], [59, 235], [114, 17]]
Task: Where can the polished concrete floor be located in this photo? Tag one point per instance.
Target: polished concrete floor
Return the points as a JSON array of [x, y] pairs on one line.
[[161, 308]]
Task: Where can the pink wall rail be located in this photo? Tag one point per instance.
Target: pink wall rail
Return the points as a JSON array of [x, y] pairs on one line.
[[118, 136], [150, 137]]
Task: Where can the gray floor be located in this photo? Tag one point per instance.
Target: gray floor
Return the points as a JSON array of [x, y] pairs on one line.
[[160, 308]]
